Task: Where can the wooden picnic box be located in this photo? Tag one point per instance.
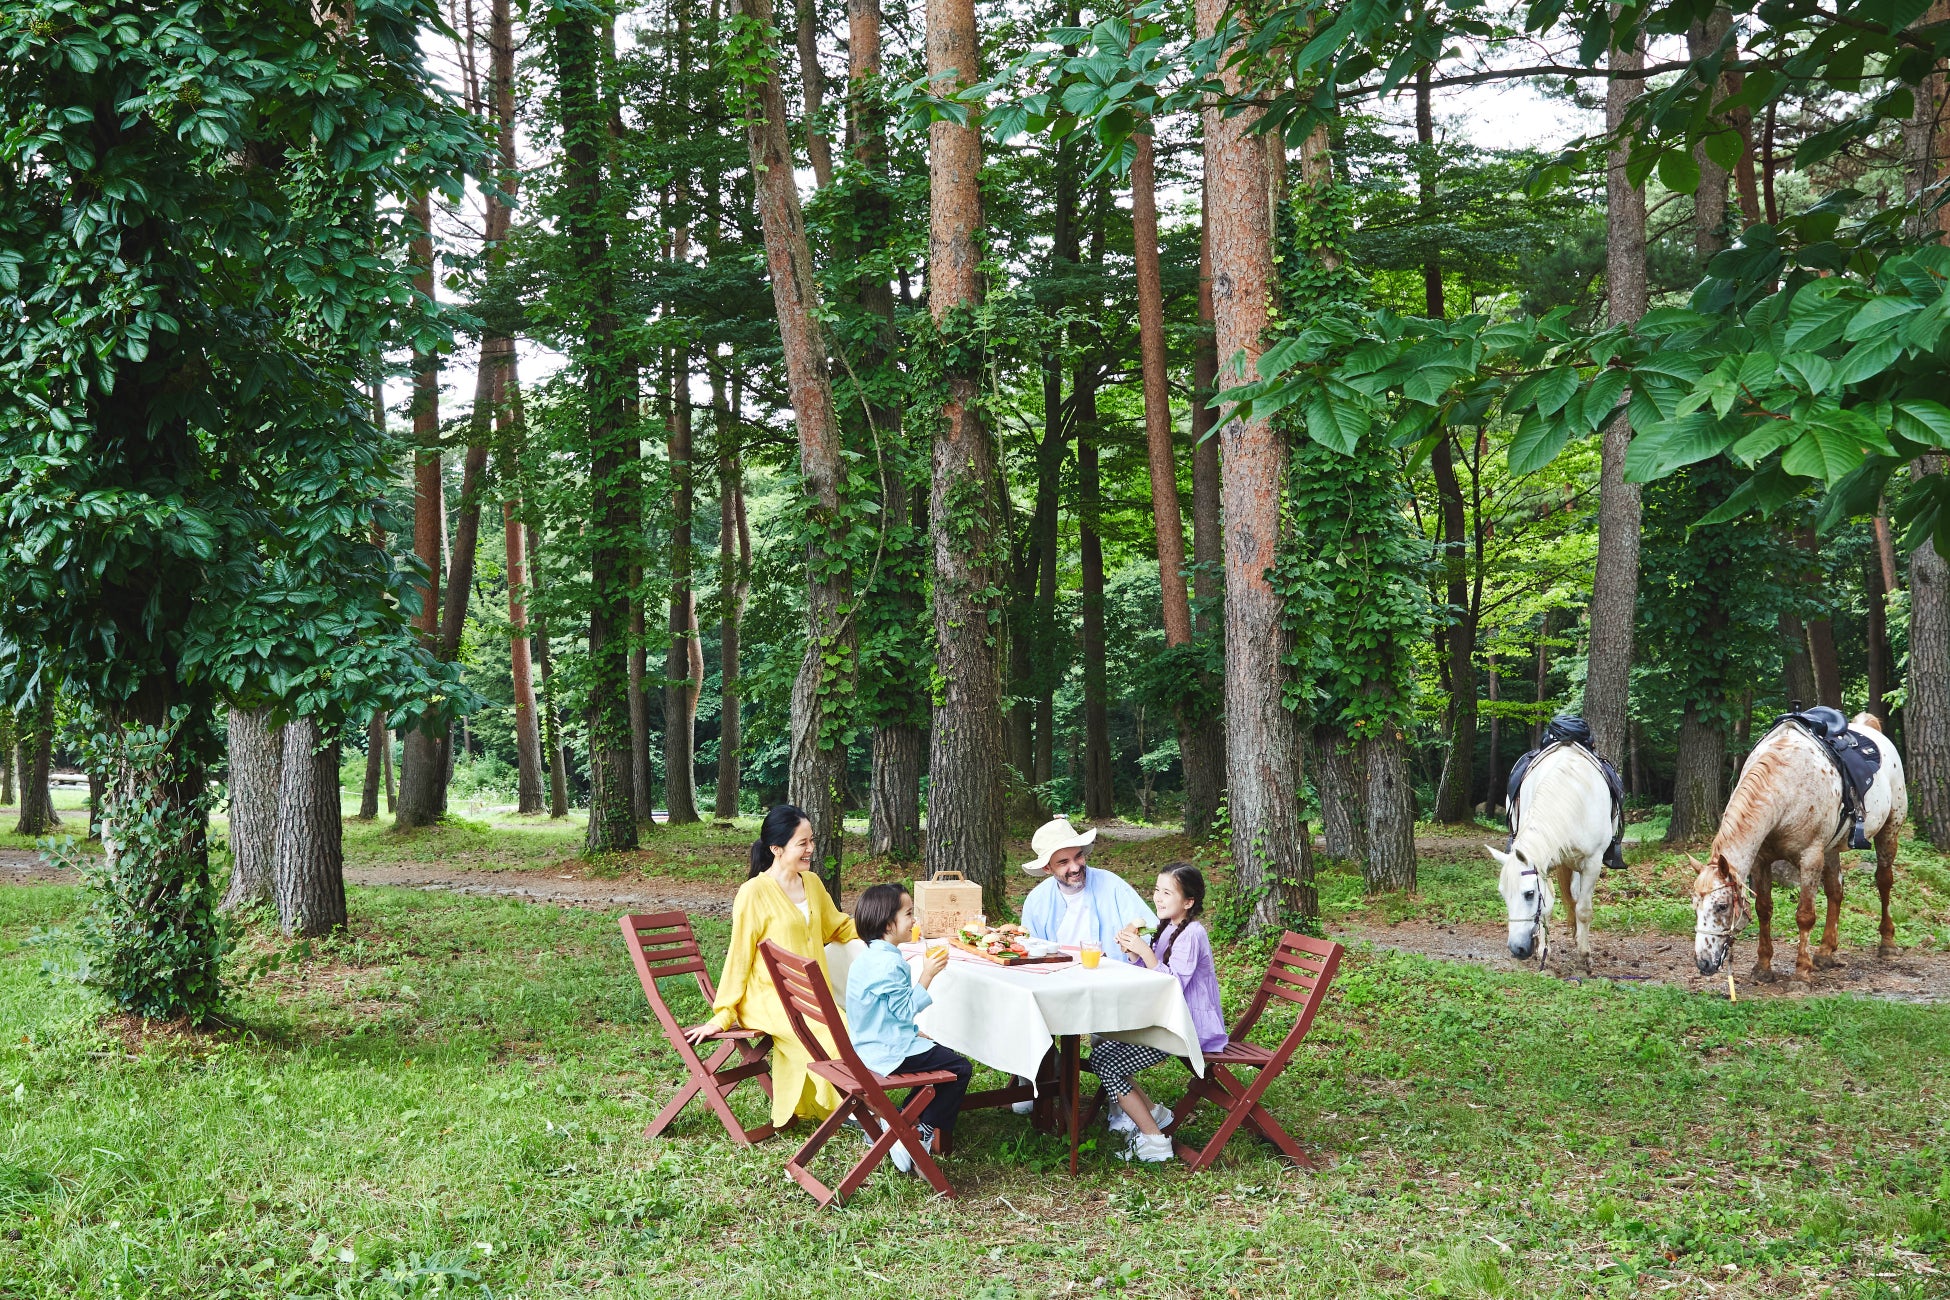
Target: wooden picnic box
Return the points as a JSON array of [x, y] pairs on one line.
[[945, 904]]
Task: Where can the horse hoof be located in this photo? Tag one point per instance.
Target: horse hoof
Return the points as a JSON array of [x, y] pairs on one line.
[[1829, 962], [1802, 976], [1764, 975], [1886, 949]]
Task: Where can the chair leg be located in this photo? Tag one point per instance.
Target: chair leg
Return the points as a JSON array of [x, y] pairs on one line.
[[899, 1126], [796, 1165], [669, 1113]]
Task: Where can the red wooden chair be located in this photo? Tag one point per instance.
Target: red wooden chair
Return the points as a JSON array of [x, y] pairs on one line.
[[808, 1003], [662, 946], [1301, 969]]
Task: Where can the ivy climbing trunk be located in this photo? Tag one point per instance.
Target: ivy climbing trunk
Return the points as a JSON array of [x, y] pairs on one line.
[[965, 755], [613, 522], [422, 753], [1614, 585], [822, 691], [1271, 852], [256, 769]]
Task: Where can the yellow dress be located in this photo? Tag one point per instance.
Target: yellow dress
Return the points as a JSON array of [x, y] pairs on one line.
[[748, 999]]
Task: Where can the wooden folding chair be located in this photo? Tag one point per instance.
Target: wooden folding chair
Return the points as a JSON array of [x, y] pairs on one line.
[[662, 945], [809, 1003], [1301, 969]]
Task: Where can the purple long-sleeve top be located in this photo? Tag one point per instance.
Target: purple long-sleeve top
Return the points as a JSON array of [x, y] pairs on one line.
[[1188, 955]]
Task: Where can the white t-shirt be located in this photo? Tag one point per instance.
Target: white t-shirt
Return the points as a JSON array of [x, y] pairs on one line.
[[805, 909], [1079, 923]]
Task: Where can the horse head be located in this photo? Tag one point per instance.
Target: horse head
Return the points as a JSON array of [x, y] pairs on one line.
[[1719, 912], [1527, 900]]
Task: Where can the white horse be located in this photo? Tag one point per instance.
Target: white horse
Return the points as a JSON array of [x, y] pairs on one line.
[[1564, 826]]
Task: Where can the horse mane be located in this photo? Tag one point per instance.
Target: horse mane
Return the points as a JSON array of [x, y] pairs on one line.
[[1750, 813]]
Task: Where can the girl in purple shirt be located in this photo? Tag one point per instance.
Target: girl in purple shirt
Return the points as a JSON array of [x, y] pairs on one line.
[[1183, 948]]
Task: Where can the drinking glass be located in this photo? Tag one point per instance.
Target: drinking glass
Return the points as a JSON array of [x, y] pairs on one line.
[[1092, 954]]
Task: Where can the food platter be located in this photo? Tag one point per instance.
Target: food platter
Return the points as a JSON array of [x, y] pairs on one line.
[[1004, 945]]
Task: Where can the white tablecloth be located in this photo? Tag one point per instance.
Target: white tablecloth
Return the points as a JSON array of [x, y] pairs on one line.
[[1008, 1019]]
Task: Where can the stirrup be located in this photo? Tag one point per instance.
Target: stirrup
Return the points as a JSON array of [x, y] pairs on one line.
[[1858, 840]]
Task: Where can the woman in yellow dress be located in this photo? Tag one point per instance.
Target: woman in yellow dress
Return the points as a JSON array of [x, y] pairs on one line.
[[784, 901]]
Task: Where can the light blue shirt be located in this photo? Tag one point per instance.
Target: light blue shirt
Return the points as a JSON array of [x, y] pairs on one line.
[[1111, 902], [882, 1000]]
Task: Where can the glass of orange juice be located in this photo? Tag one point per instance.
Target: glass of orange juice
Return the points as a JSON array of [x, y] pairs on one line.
[[937, 948], [1091, 954], [916, 936]]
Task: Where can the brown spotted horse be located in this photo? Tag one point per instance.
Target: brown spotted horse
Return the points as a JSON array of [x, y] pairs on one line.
[[1786, 817]]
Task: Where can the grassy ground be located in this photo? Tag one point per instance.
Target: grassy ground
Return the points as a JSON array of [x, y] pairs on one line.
[[450, 1099]]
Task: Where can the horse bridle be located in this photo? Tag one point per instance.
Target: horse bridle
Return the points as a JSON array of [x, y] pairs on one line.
[[1727, 932], [1539, 915]]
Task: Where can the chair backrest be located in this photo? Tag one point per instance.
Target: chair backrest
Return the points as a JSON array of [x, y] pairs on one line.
[[1300, 971], [663, 945], [808, 1000]]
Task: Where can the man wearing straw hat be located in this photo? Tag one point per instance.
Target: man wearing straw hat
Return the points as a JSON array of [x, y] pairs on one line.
[[1076, 905]]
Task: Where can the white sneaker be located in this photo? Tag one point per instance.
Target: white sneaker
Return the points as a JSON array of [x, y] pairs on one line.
[[1121, 1122], [1151, 1148], [1022, 1107], [902, 1160]]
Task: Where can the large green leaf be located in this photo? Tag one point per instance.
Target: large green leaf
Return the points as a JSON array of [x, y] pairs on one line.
[[1823, 451], [1675, 443], [1921, 420], [1538, 440]]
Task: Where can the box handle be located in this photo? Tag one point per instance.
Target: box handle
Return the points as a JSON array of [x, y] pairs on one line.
[[947, 875]]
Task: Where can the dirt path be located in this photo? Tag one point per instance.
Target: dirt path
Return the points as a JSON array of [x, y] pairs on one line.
[[1914, 976]]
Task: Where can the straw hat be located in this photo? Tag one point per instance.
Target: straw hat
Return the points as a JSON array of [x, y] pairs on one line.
[[1053, 837]]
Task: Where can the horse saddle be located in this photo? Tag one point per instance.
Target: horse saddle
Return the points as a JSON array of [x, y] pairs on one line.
[[1857, 759], [1570, 729]]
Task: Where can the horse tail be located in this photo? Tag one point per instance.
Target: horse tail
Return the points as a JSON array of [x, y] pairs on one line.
[[1868, 721]]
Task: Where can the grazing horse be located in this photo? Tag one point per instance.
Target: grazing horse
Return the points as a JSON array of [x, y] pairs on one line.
[[1786, 816], [1564, 826]]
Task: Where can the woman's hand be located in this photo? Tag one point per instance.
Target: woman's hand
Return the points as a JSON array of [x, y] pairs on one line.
[[698, 1033]]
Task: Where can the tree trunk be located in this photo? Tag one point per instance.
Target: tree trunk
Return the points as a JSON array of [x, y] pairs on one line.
[[391, 794], [256, 767], [37, 815], [1822, 656], [528, 732], [308, 865], [643, 803], [8, 742], [684, 664], [376, 741], [965, 812], [612, 443], [1696, 778], [1389, 810], [1205, 776], [1710, 199], [554, 745], [734, 577], [1168, 520], [818, 149], [422, 760], [1878, 640], [1272, 857], [1099, 790], [1615, 582], [895, 829], [823, 689], [1926, 711], [1797, 671], [1492, 782], [1342, 788]]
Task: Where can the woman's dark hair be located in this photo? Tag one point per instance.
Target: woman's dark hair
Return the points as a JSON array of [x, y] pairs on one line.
[[876, 910], [1191, 883], [780, 825]]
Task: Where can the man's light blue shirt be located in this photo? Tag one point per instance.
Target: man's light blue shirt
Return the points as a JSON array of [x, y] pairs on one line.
[[882, 1000], [1111, 901]]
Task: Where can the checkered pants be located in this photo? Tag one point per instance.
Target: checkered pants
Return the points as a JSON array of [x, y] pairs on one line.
[[1114, 1061]]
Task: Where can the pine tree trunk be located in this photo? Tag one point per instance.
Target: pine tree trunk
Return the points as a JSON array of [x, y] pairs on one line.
[[734, 575], [553, 743], [1710, 199], [256, 768], [1389, 811], [1926, 712], [823, 689], [680, 689], [1878, 640], [1205, 775], [642, 801], [528, 731], [422, 762], [1271, 853], [308, 866], [376, 742], [1099, 789], [1342, 787], [1614, 585], [37, 815], [1696, 778], [965, 811], [612, 443], [819, 149], [1822, 656], [8, 741], [895, 829], [1797, 670]]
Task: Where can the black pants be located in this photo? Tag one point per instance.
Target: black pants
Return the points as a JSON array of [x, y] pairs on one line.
[[940, 1113]]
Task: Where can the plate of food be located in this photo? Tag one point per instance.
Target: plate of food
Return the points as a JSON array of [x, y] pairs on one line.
[[1006, 945]]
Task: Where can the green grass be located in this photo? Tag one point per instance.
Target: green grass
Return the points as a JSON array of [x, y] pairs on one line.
[[450, 1100]]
